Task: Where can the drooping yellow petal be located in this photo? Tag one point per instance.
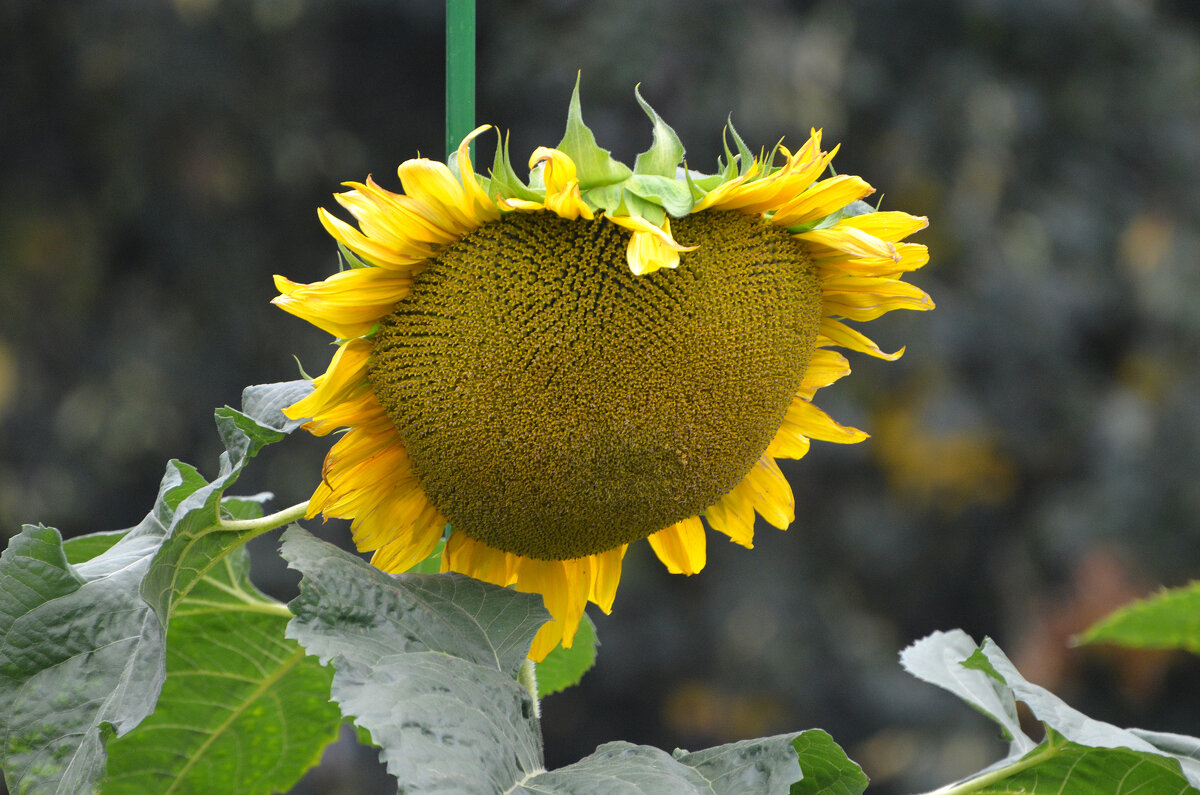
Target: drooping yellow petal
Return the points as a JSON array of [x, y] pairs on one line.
[[733, 515], [769, 492], [372, 251], [437, 195], [564, 586], [476, 559], [607, 576], [347, 303], [868, 297], [824, 198], [681, 546], [770, 191], [651, 247], [407, 549], [835, 332], [888, 225], [823, 369], [909, 257], [478, 203], [345, 378], [849, 240], [816, 424], [395, 220], [562, 186]]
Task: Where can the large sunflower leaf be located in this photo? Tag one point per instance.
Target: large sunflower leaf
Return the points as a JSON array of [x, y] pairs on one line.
[[1168, 620], [1079, 754], [426, 664], [245, 708], [594, 166], [82, 644]]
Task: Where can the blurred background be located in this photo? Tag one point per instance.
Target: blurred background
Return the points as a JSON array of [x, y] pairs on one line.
[[1035, 454]]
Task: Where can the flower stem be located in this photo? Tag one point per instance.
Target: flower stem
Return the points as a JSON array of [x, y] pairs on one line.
[[979, 782], [527, 676], [460, 72], [265, 523]]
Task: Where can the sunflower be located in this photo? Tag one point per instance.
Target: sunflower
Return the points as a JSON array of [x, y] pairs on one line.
[[543, 372]]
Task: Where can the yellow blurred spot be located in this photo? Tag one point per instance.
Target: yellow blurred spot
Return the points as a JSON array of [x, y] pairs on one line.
[[1145, 241], [697, 708], [948, 469], [8, 377]]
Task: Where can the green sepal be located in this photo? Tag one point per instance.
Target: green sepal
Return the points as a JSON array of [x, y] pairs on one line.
[[505, 181], [594, 166], [632, 204], [851, 210], [618, 200], [666, 192], [349, 259], [744, 158], [666, 150]]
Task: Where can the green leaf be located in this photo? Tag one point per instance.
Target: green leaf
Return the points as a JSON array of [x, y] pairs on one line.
[[563, 668], [594, 166], [666, 150], [82, 645], [248, 715], [80, 656], [751, 767], [1080, 754], [827, 769], [1167, 620], [1060, 766], [425, 663], [83, 548]]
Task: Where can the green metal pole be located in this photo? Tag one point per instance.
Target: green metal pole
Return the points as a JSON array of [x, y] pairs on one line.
[[460, 72]]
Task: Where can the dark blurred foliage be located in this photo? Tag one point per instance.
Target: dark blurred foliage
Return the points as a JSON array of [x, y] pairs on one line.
[[1035, 453]]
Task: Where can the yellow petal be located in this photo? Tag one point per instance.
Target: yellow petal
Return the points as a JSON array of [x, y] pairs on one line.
[[847, 239], [411, 546], [562, 187], [834, 332], [478, 203], [816, 424], [437, 195], [909, 257], [868, 297], [681, 546], [370, 250], [889, 225], [347, 303], [823, 369], [824, 198], [769, 492], [733, 515], [476, 559], [564, 586], [607, 576], [346, 378], [651, 247]]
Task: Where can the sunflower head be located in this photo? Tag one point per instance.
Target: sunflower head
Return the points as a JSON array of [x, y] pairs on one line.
[[543, 371]]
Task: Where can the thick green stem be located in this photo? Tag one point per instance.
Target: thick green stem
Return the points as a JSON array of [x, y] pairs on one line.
[[460, 72], [265, 523], [527, 676]]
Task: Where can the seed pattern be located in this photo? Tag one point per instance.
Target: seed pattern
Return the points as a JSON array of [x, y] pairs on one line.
[[554, 405]]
